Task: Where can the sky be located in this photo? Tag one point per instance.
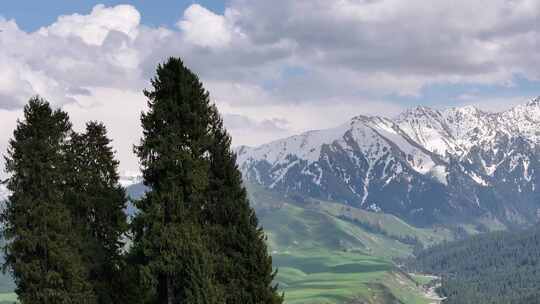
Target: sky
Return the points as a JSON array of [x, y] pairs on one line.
[[273, 68]]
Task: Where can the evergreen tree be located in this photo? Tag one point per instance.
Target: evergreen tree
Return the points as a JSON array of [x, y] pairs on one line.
[[43, 249], [98, 203], [239, 244], [174, 158], [498, 267]]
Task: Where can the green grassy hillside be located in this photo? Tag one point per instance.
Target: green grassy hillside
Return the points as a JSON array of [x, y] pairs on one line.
[[340, 277], [6, 285], [8, 298], [331, 253]]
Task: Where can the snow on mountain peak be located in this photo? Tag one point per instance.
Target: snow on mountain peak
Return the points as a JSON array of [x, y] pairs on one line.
[[468, 110], [424, 135], [534, 102], [128, 178], [523, 120], [306, 146], [373, 135], [418, 112], [428, 128], [406, 163]]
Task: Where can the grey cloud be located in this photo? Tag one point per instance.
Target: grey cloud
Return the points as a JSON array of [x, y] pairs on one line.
[[236, 122], [410, 38], [239, 62], [79, 91], [9, 102]]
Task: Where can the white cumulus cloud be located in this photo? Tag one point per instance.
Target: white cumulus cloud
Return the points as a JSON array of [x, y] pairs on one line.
[[94, 28], [204, 28]]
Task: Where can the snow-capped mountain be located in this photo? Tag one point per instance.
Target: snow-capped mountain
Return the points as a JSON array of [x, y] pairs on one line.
[[129, 178], [424, 165]]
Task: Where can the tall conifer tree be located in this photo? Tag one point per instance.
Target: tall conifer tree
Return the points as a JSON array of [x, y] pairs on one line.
[[174, 158], [239, 244], [200, 237], [42, 248], [98, 203]]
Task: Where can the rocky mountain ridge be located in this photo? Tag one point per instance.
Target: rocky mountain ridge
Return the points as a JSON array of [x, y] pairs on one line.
[[424, 165]]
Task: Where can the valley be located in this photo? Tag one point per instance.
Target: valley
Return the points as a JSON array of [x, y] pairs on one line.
[[330, 253]]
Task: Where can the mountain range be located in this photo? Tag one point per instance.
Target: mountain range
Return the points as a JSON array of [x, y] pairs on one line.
[[425, 165]]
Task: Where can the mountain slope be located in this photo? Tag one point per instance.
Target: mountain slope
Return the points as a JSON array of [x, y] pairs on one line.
[[330, 253], [426, 166], [501, 267]]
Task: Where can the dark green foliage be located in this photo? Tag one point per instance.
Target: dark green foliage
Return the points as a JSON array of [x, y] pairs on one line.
[[42, 249], [173, 153], [498, 267], [196, 236], [98, 203], [196, 239], [243, 264]]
